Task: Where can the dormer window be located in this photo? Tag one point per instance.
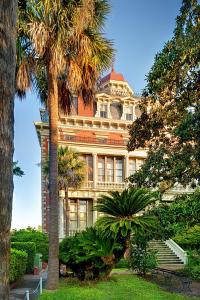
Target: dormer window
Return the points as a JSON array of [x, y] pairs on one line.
[[103, 111], [129, 113]]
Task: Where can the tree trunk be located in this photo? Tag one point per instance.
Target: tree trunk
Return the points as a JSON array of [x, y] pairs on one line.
[[8, 10], [67, 210], [53, 262]]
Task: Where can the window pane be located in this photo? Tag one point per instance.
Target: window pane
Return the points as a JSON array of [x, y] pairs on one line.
[[110, 169], [101, 169], [119, 170], [129, 117], [90, 167], [132, 166], [83, 224], [73, 225]]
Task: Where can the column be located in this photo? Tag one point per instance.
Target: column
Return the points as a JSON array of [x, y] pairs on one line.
[[61, 216], [95, 216], [98, 109], [123, 117], [94, 169], [126, 166], [108, 111]]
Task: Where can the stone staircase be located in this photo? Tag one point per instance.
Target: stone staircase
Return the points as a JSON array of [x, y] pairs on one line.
[[165, 255]]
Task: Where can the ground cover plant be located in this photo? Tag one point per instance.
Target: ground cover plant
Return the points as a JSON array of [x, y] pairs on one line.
[[119, 287]]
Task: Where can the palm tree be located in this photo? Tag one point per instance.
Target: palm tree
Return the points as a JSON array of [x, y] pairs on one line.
[[8, 10], [123, 213], [64, 37], [71, 174]]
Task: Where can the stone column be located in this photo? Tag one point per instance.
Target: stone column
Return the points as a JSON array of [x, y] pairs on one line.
[[108, 111], [94, 169], [126, 166], [98, 109], [95, 216], [123, 112], [61, 216]]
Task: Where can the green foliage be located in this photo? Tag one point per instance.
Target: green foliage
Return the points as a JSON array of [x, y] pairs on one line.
[[121, 211], [122, 263], [17, 170], [29, 248], [170, 123], [71, 169], [119, 287], [189, 238], [192, 269], [18, 263], [32, 235], [175, 220], [142, 259], [88, 254]]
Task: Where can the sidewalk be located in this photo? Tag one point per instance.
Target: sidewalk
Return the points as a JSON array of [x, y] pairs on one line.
[[28, 282]]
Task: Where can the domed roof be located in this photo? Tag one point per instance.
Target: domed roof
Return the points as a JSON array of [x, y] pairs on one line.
[[112, 76]]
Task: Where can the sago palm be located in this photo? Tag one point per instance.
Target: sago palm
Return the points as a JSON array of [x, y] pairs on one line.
[[71, 174], [64, 39], [123, 212]]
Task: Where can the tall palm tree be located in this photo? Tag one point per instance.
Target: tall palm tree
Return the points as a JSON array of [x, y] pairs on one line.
[[123, 212], [8, 10], [65, 38], [71, 174]]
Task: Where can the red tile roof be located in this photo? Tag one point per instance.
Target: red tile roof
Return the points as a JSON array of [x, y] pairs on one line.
[[113, 76]]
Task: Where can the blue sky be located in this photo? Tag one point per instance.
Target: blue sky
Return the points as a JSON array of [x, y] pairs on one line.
[[139, 29]]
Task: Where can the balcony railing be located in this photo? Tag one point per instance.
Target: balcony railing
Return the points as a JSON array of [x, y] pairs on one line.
[[91, 140], [105, 185]]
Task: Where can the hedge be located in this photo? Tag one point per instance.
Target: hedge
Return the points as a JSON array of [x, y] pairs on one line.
[[30, 249], [32, 235], [18, 263]]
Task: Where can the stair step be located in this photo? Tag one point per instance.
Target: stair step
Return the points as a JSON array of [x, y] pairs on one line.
[[164, 254]]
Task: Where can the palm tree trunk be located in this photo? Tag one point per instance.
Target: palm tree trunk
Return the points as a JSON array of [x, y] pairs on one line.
[[67, 209], [8, 10], [53, 262]]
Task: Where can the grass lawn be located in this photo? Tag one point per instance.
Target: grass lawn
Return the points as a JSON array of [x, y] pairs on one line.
[[119, 287]]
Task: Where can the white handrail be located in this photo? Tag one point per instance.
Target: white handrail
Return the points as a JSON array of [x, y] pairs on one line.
[[38, 289], [177, 250]]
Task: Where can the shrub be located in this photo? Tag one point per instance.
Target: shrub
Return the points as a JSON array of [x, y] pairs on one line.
[[189, 238], [18, 263], [142, 259], [123, 263], [88, 254], [29, 248], [181, 214], [32, 235]]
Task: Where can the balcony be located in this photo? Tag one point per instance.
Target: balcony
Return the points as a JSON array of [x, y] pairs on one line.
[[105, 185], [90, 140]]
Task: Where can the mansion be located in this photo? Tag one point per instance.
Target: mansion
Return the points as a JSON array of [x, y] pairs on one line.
[[99, 132]]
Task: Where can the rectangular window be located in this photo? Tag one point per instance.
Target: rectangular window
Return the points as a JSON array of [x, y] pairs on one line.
[[110, 169], [132, 166], [101, 169], [140, 162], [103, 110], [78, 214], [129, 113], [119, 169], [89, 163], [129, 117]]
